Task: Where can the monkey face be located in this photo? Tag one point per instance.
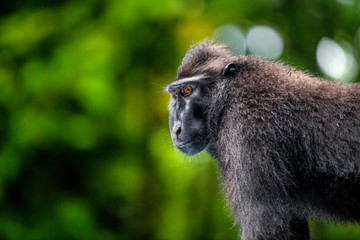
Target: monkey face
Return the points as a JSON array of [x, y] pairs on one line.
[[188, 115], [194, 93]]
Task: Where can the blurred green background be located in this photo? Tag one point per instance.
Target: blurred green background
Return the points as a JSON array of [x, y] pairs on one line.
[[85, 151]]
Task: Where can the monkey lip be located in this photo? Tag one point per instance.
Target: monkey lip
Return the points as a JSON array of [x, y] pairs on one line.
[[188, 148], [184, 145]]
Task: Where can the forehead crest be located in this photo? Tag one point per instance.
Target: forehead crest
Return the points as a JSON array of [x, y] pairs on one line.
[[200, 56]]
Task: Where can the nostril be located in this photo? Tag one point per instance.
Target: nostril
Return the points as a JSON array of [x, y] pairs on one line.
[[178, 131]]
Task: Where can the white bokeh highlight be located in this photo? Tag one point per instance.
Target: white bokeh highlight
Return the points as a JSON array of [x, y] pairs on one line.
[[336, 61], [233, 37], [331, 58], [265, 42]]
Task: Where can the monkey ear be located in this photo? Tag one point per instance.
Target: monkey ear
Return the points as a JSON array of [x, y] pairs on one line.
[[229, 70]]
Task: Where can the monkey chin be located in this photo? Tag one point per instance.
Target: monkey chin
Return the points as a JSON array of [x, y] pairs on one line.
[[192, 148]]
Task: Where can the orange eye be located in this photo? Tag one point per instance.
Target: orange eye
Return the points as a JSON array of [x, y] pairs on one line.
[[187, 90], [175, 93]]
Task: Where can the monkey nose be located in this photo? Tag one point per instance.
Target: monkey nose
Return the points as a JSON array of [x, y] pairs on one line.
[[178, 131]]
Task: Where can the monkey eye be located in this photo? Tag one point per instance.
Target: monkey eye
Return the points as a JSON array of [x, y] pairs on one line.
[[175, 93], [187, 90]]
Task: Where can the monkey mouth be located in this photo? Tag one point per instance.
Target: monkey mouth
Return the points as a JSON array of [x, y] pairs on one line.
[[188, 148], [184, 145], [192, 148]]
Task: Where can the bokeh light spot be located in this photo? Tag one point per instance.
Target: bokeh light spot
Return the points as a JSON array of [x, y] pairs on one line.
[[265, 42], [331, 58], [335, 60], [232, 36], [347, 2]]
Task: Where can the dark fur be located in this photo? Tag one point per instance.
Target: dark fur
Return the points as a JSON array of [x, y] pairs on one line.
[[287, 144]]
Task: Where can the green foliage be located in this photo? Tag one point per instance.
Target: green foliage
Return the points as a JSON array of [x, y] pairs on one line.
[[85, 151]]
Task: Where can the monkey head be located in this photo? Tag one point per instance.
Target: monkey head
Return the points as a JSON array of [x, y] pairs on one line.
[[203, 67]]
